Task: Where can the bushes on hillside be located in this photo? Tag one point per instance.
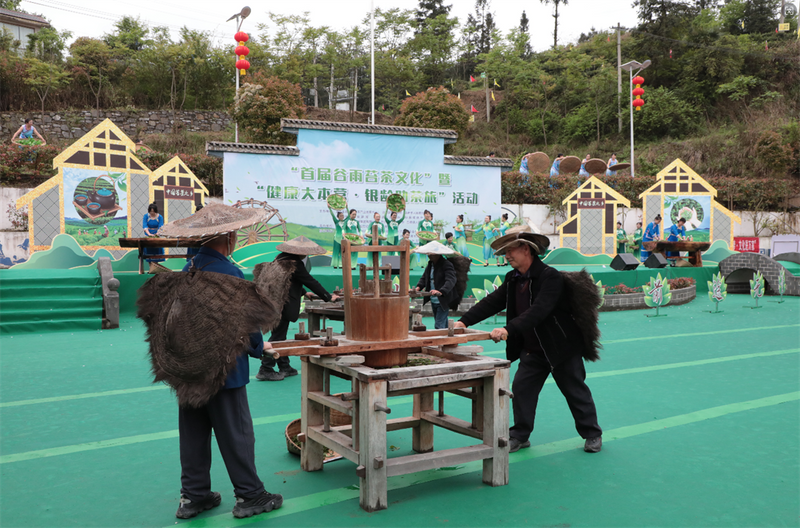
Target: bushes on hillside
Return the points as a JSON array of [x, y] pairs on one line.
[[24, 165], [260, 105], [434, 108]]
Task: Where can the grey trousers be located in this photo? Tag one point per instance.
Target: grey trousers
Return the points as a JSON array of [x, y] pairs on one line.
[[228, 415]]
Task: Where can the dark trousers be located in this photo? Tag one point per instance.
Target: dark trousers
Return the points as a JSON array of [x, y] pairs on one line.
[[278, 334], [440, 313], [570, 377], [228, 415]]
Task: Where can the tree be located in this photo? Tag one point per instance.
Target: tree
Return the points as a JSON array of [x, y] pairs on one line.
[[524, 33], [429, 10], [665, 18], [555, 3], [92, 60], [432, 48], [48, 45], [12, 5], [44, 77], [131, 35], [485, 25], [260, 105], [434, 108]]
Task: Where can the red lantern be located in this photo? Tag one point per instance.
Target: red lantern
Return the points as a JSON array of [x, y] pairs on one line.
[[241, 36], [242, 51], [638, 92], [242, 65]]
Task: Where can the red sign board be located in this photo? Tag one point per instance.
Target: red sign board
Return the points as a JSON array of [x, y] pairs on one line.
[[745, 244], [591, 203], [173, 192]]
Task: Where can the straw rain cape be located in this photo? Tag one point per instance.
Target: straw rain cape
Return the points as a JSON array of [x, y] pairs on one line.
[[274, 278], [584, 300], [197, 324]]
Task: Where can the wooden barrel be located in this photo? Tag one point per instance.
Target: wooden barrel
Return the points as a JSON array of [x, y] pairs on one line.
[[383, 318]]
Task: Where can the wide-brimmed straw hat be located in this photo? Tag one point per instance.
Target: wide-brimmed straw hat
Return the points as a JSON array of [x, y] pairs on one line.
[[213, 220], [434, 248], [301, 246], [522, 235]]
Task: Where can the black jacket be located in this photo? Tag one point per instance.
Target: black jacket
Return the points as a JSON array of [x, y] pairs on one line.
[[548, 323], [444, 280], [301, 279]]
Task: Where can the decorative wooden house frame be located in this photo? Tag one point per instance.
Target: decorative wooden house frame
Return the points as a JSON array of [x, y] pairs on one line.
[[592, 214], [176, 190], [676, 180]]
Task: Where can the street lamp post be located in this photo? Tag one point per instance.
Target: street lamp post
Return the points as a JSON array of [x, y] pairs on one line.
[[629, 67]]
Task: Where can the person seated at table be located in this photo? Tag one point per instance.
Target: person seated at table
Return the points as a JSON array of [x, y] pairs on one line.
[[151, 223], [677, 232], [651, 234]]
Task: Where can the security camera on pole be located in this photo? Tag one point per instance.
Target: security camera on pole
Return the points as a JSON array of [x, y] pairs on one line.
[[242, 64], [638, 91]]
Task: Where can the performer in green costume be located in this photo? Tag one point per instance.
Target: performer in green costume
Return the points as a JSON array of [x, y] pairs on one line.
[[381, 230], [407, 236], [461, 236], [352, 226], [393, 228], [637, 241], [425, 224], [338, 224], [488, 236], [622, 238], [501, 231]]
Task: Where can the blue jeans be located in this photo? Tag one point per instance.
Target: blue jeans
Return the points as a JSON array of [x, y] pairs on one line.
[[440, 313]]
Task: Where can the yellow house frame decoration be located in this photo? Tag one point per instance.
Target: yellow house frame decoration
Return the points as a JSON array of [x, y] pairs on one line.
[[677, 183], [590, 227]]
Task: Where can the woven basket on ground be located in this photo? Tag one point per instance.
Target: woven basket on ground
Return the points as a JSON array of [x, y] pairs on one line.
[[293, 429]]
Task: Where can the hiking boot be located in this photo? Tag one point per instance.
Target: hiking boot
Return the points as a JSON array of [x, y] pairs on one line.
[[593, 445], [516, 444], [265, 374], [266, 502], [190, 508], [288, 371]]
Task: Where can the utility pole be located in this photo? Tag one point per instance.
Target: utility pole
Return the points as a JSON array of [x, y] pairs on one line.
[[619, 77]]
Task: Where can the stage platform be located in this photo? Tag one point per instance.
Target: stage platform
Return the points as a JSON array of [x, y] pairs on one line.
[[698, 410]]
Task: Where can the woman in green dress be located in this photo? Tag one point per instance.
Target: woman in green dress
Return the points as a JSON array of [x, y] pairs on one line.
[[501, 231], [338, 224], [622, 237], [637, 241], [393, 228], [488, 236], [426, 224], [461, 236], [381, 230], [407, 236], [351, 226]]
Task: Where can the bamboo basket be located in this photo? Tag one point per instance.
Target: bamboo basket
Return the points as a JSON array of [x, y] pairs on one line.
[[293, 429]]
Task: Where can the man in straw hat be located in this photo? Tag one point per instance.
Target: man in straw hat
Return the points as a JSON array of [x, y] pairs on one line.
[[542, 333], [227, 413], [439, 278], [292, 252]]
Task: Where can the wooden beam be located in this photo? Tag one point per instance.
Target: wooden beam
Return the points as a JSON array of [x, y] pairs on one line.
[[451, 423], [450, 387], [438, 381], [374, 249], [436, 459], [334, 402], [334, 440]]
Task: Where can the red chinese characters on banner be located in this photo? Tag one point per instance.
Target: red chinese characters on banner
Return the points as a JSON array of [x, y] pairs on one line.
[[591, 203], [173, 192], [746, 244]]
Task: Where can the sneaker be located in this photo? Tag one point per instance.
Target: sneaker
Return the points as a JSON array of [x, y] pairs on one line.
[[266, 502], [265, 374], [190, 508], [516, 444], [288, 371], [593, 445]]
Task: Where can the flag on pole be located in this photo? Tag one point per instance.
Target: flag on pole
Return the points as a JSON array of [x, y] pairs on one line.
[[473, 108], [495, 83], [493, 99], [408, 94], [471, 78]]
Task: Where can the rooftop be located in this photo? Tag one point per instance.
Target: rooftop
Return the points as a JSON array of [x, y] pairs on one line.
[[216, 148], [293, 125], [24, 19]]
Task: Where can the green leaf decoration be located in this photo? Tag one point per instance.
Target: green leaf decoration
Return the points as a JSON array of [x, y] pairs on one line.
[[487, 285], [479, 294], [656, 292], [717, 288], [757, 285], [497, 282], [782, 282], [602, 293], [396, 283]]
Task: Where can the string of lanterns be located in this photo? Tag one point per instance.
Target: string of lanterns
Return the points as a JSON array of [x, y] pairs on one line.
[[242, 51], [638, 81]]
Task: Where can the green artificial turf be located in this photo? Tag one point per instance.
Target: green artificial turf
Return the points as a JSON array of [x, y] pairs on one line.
[[700, 412]]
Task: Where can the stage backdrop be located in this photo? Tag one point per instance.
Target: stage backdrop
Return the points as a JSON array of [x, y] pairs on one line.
[[365, 168]]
